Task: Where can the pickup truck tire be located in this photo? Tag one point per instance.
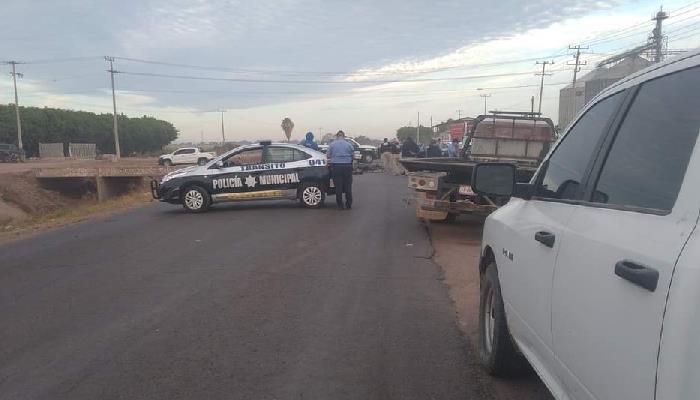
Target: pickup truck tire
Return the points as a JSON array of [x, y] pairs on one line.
[[201, 161], [497, 351], [367, 158], [195, 199], [312, 195], [167, 162]]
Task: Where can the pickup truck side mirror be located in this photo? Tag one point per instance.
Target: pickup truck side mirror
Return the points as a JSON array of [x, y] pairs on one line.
[[494, 179]]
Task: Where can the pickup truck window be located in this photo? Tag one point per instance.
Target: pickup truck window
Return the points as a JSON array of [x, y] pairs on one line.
[[567, 165], [647, 161], [184, 151]]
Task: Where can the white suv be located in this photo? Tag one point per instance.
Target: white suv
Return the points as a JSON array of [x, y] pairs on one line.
[[591, 270]]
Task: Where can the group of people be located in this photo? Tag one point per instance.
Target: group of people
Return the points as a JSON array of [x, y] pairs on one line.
[[410, 148], [340, 153]]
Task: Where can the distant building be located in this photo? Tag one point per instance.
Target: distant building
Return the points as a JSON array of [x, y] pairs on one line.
[[572, 99]]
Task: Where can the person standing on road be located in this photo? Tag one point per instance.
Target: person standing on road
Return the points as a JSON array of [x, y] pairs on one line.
[[340, 162], [309, 141], [453, 148], [409, 148]]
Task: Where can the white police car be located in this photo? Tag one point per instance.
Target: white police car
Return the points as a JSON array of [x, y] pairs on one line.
[[264, 171]]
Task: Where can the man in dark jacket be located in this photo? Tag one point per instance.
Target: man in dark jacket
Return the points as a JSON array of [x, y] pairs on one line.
[[409, 148], [434, 149], [309, 141]]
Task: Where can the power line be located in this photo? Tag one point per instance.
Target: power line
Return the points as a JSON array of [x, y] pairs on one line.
[[243, 80]]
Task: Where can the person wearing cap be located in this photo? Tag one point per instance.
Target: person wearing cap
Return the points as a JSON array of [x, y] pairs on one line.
[[340, 161], [309, 141]]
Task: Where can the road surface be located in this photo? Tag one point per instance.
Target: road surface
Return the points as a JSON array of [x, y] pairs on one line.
[[248, 301]]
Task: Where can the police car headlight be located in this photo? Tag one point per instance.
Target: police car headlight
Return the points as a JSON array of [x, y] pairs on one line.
[[169, 177]]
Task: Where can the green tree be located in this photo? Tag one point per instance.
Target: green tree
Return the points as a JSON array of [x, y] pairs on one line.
[[52, 125], [426, 133]]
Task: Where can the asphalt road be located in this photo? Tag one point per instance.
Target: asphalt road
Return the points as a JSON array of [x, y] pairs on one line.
[[248, 301]]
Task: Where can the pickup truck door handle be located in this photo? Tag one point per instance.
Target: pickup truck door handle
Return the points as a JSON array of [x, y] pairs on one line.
[[638, 274], [546, 238]]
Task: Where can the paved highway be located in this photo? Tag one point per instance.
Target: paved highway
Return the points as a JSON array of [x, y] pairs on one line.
[[248, 301]]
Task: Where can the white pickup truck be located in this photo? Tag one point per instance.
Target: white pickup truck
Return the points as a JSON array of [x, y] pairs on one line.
[[591, 270], [186, 155]]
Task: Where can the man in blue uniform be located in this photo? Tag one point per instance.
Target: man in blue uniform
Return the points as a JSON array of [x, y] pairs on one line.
[[340, 161]]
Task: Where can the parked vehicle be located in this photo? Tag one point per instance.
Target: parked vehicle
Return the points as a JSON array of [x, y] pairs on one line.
[[10, 153], [443, 185], [264, 171], [590, 271], [362, 153], [186, 155]]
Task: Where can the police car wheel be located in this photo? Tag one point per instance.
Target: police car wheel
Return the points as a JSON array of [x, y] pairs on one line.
[[195, 199], [312, 195]]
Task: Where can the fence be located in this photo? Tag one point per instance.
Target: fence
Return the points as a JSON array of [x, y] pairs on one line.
[[51, 150], [82, 151]]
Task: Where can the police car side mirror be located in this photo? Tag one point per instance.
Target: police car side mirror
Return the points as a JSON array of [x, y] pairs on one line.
[[217, 165]]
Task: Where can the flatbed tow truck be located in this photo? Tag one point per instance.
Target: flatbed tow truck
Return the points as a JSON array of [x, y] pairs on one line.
[[442, 186]]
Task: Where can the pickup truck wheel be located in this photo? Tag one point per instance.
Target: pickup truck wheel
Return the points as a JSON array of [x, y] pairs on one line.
[[367, 158], [201, 161], [167, 163], [497, 351], [195, 199], [312, 195]]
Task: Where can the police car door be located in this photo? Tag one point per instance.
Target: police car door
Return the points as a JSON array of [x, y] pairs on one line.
[[286, 165], [238, 175]]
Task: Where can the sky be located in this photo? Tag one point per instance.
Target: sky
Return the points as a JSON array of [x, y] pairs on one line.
[[365, 66]]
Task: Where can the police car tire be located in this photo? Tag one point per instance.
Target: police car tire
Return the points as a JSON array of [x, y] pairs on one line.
[[195, 199], [312, 195]]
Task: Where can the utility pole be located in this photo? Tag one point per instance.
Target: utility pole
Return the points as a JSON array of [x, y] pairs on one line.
[[532, 104], [544, 65], [459, 115], [658, 37], [114, 105], [485, 97], [577, 63], [418, 128], [223, 135], [15, 74]]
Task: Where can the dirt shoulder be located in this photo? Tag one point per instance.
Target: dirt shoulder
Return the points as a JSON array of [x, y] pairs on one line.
[[457, 248], [29, 206]]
